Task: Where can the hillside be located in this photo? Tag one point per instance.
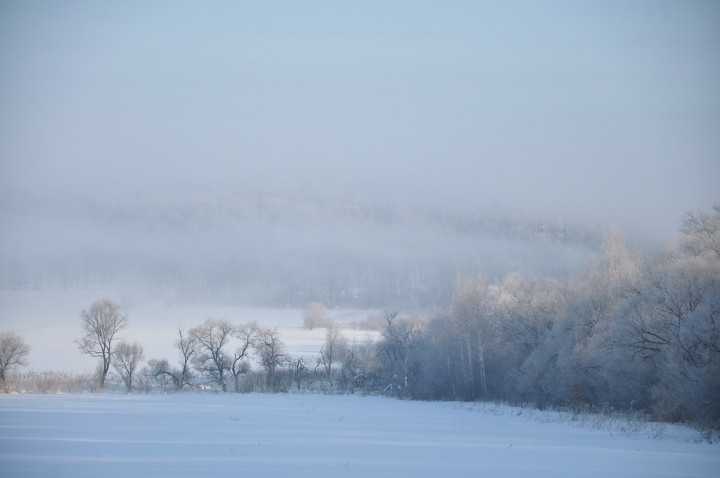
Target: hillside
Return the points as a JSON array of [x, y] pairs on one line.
[[275, 248]]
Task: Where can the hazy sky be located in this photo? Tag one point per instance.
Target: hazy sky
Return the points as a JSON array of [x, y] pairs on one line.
[[606, 109]]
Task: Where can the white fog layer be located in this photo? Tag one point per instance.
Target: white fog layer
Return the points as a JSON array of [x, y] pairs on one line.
[[603, 114]]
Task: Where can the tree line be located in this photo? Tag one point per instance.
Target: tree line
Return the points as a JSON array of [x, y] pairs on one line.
[[205, 357], [632, 332]]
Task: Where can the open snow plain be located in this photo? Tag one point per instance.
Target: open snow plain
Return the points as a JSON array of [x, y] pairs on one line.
[[315, 436]]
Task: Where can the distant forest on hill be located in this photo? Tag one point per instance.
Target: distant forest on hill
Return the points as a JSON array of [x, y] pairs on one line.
[[277, 249]]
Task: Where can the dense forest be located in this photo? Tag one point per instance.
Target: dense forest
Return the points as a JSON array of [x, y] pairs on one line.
[[631, 332]]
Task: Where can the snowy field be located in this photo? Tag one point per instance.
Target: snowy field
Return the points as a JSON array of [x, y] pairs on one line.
[[322, 436]]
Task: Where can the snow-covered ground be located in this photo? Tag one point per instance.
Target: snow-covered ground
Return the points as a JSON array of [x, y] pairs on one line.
[[316, 436], [49, 321]]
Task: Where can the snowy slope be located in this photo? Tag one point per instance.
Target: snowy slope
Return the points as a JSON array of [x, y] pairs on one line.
[[317, 436]]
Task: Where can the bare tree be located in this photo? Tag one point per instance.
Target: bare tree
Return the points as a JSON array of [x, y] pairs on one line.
[[101, 323], [240, 365], [211, 337], [127, 359], [298, 370], [271, 354], [181, 376], [186, 345], [332, 351], [13, 351]]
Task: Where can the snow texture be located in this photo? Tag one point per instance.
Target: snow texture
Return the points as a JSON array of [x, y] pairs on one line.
[[316, 436]]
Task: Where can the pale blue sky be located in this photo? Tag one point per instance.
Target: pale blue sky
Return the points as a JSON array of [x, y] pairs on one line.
[[606, 109]]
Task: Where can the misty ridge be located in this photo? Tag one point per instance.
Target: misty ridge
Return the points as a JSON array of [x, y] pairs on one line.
[[276, 248]]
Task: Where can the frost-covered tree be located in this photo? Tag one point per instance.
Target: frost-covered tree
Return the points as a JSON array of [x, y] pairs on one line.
[[570, 364], [101, 324], [398, 352], [358, 359], [466, 335], [701, 233], [13, 352], [528, 309], [672, 321]]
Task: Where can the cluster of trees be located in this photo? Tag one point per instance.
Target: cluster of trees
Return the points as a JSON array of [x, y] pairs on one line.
[[218, 353], [205, 356]]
